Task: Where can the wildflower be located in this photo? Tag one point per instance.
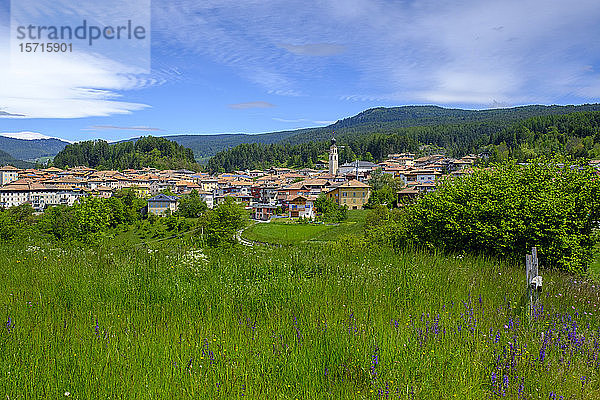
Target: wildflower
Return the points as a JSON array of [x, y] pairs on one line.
[[67, 394]]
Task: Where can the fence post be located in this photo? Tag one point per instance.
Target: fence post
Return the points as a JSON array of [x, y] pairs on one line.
[[534, 280]]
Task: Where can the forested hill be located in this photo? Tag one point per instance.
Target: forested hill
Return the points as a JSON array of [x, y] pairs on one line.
[[145, 152], [576, 133], [7, 159], [375, 120], [31, 149]]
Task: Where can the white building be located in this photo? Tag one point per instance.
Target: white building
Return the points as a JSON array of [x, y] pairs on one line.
[[38, 195], [8, 174], [208, 197]]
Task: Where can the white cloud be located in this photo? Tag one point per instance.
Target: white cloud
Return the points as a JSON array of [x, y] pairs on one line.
[[251, 104], [457, 53], [314, 49], [59, 86], [29, 136], [73, 84]]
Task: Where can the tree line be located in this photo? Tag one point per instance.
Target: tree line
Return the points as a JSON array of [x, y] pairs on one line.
[[576, 134], [94, 219], [147, 151]]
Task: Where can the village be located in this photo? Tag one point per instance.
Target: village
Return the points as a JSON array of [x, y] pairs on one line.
[[266, 192]]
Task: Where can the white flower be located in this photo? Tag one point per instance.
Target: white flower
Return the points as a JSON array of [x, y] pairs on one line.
[[67, 394]]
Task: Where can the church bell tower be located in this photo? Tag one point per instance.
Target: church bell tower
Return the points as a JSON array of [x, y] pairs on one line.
[[333, 158]]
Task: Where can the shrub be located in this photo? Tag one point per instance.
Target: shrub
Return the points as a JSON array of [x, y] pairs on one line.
[[505, 210], [329, 210], [221, 223]]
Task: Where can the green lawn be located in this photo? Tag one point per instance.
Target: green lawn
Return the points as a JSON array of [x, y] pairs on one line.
[[280, 232], [284, 231]]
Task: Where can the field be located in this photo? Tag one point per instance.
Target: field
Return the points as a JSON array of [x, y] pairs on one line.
[[285, 232], [316, 320]]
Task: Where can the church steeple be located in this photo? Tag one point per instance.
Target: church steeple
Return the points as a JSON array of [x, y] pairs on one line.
[[333, 157]]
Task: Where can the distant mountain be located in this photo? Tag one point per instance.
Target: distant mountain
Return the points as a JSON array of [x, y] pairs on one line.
[[209, 145], [376, 120], [520, 133], [31, 149], [7, 159]]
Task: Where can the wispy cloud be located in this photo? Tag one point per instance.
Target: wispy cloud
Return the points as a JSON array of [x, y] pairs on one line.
[[90, 81], [122, 128], [5, 114], [291, 121], [30, 136], [465, 53], [314, 49], [299, 120], [251, 104]]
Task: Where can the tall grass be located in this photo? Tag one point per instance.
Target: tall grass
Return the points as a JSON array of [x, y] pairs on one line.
[[311, 321]]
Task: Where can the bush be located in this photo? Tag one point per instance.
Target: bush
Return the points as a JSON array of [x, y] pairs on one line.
[[505, 210], [221, 223], [329, 210], [191, 205]]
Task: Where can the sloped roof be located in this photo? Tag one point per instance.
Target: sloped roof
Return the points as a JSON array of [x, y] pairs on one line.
[[163, 197], [352, 184]]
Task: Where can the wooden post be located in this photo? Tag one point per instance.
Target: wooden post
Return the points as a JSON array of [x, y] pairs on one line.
[[534, 280]]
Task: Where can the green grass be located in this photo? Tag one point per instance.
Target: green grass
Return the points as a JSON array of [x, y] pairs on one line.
[[594, 269], [284, 231], [310, 321], [353, 226]]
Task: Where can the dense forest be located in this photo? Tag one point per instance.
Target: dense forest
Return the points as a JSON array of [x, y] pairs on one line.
[[22, 149], [7, 159], [374, 120], [146, 152], [576, 134]]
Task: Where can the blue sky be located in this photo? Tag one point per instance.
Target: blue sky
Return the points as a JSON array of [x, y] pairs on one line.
[[259, 66]]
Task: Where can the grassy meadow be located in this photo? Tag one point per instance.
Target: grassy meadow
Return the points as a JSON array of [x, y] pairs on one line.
[[287, 232], [311, 321]]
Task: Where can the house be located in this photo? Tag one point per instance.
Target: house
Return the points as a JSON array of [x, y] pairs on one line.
[[209, 184], [354, 194], [208, 198], [407, 194], [427, 175], [363, 168], [425, 187], [141, 189], [160, 203], [301, 206], [8, 174], [263, 212], [40, 196], [186, 187]]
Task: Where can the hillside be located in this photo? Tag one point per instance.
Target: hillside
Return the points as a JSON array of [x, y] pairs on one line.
[[145, 152], [209, 145], [576, 134], [376, 120], [31, 149], [7, 159]]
